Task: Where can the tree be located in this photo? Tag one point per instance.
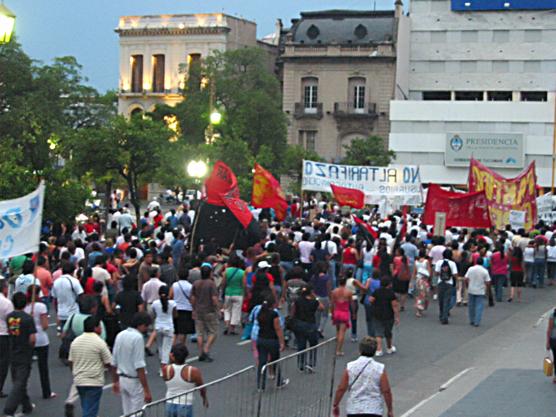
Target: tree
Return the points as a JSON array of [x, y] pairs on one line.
[[134, 149], [368, 151]]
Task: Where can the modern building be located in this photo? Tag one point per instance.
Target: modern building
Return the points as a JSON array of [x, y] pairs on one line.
[[157, 51], [481, 83], [338, 70]]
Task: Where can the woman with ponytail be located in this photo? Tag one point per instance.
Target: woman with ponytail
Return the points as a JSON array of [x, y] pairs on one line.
[[164, 311]]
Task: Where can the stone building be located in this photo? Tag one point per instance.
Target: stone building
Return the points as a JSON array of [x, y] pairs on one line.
[[338, 70]]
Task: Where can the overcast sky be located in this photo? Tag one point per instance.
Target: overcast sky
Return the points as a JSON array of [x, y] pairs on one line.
[[85, 28]]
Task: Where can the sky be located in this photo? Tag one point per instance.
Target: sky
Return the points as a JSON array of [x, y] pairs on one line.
[[85, 28]]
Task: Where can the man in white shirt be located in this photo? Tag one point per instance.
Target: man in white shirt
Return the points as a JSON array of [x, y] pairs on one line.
[[66, 291], [150, 289], [101, 274], [6, 307], [478, 281], [125, 221], [446, 270]]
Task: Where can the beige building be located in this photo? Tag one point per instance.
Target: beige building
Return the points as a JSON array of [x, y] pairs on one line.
[[156, 52], [339, 75]]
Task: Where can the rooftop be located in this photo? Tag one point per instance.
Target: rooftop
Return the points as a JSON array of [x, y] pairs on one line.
[[176, 21]]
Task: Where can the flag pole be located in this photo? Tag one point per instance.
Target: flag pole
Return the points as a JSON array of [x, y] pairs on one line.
[[195, 222], [553, 147]]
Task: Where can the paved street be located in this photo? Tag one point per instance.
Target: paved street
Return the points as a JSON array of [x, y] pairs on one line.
[[497, 367]]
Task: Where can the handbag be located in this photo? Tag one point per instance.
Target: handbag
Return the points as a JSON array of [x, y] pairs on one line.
[[291, 323], [548, 365], [69, 336]]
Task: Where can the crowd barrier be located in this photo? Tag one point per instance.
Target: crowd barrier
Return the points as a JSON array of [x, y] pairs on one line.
[[308, 393]]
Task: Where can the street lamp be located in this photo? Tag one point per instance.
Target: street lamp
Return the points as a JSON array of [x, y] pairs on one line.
[[7, 23], [197, 169], [215, 117]]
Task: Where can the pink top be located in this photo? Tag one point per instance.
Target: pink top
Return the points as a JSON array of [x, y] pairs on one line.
[[498, 266]]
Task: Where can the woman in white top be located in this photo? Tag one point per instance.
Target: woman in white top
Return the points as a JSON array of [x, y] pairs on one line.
[[367, 384], [529, 261], [180, 292], [40, 315], [181, 378], [164, 311]]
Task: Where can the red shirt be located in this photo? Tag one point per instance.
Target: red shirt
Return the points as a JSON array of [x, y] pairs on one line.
[[349, 257], [516, 264]]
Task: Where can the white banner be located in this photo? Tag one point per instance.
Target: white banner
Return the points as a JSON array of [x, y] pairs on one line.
[[398, 183], [20, 224], [517, 219]]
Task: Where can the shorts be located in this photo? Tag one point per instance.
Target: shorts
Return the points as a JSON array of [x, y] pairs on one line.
[[206, 324], [383, 328], [179, 410], [183, 323], [400, 286], [516, 278]]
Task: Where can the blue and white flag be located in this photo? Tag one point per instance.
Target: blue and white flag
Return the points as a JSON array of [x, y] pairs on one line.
[[20, 224]]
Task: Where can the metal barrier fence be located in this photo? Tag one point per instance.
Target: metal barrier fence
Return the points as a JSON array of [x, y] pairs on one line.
[[307, 393], [300, 384]]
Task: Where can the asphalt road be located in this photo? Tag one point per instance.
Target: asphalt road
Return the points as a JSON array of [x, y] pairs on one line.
[[481, 366]]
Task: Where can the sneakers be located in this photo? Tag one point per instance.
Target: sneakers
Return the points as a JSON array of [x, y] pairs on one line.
[[285, 382], [379, 353], [205, 357], [69, 410], [391, 351], [353, 339]]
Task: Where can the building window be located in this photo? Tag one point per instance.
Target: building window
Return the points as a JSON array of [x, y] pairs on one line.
[[532, 66], [533, 96], [158, 73], [500, 36], [194, 72], [356, 94], [469, 36], [307, 139], [136, 73], [499, 96], [437, 95], [310, 94], [469, 95]]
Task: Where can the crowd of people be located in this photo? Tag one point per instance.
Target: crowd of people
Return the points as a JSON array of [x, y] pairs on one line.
[[120, 290]]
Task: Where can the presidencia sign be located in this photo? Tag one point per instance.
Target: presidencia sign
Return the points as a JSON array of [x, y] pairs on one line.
[[375, 182], [497, 150], [20, 224]]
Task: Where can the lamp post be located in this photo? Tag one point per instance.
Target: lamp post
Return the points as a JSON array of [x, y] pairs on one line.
[[196, 170], [215, 116], [7, 23]]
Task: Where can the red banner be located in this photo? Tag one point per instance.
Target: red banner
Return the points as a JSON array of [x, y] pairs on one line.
[[222, 180], [462, 209], [239, 208], [366, 226], [267, 192], [348, 196], [506, 194]]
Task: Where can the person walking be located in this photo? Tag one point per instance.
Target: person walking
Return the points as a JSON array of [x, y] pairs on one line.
[[164, 311], [89, 356], [181, 294], [402, 276], [516, 274], [551, 339], [39, 312], [478, 281], [539, 268], [204, 299], [128, 357], [66, 291], [233, 294], [322, 284], [499, 270], [22, 331], [340, 300], [551, 262], [446, 270], [180, 378], [386, 313], [366, 382], [6, 307], [422, 273]]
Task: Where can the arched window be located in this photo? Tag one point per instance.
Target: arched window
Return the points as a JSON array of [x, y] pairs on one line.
[[136, 111]]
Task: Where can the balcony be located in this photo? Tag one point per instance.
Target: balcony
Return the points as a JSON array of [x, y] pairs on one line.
[[348, 110], [302, 112]]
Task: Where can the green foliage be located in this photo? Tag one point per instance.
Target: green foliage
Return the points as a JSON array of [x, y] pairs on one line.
[[293, 165], [368, 151]]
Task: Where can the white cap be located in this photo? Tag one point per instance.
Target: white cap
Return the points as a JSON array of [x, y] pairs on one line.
[[263, 265]]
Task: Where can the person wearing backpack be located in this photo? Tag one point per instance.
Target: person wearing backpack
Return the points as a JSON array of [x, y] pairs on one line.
[[446, 270]]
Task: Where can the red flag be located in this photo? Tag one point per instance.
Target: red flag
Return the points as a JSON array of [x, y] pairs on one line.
[[365, 226], [462, 209], [222, 180], [267, 192], [348, 196], [403, 232], [238, 207]]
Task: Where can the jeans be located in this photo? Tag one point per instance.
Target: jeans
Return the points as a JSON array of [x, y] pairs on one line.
[[267, 348], [475, 307], [453, 297], [529, 272], [538, 272], [90, 400], [551, 270], [499, 281], [42, 355], [370, 320], [179, 410], [18, 395], [354, 309], [445, 292], [332, 272], [4, 359], [287, 265], [306, 332], [322, 316]]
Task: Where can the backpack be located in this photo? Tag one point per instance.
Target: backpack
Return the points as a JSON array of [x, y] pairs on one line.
[[445, 271]]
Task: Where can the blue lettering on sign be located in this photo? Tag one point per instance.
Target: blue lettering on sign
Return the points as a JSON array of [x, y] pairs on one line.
[[6, 246], [308, 167], [34, 204], [333, 171], [320, 169], [13, 217], [475, 5]]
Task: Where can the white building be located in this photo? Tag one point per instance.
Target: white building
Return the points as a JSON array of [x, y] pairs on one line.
[[481, 83], [157, 51]]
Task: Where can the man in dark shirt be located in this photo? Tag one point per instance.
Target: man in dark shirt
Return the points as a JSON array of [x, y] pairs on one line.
[[129, 302], [22, 333], [386, 314]]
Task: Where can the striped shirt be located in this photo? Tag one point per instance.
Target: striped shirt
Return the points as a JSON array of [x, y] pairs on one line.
[[89, 354]]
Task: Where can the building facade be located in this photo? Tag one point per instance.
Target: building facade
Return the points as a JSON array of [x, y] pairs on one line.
[[481, 78], [157, 51], [338, 71]]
